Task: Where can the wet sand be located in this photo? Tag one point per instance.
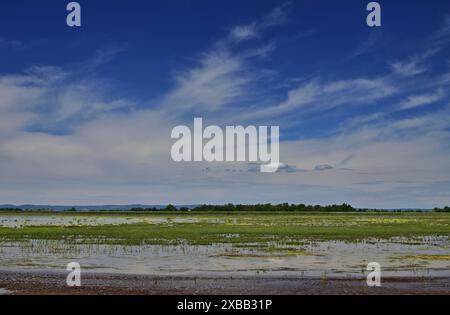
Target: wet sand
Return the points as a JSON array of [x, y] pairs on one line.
[[43, 283]]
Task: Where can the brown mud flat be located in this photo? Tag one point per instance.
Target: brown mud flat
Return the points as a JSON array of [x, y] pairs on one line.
[[44, 283]]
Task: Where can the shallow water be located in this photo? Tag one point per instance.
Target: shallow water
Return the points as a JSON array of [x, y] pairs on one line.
[[4, 292], [17, 221], [324, 259]]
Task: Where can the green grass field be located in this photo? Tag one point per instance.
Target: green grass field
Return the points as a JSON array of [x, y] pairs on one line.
[[236, 228]]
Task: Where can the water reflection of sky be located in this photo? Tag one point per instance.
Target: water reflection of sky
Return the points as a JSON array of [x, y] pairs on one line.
[[398, 256]]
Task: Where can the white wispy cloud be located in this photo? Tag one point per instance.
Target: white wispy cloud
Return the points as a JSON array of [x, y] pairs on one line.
[[422, 99], [442, 35], [224, 74], [276, 17], [408, 68], [244, 32], [217, 81], [416, 64], [315, 96]]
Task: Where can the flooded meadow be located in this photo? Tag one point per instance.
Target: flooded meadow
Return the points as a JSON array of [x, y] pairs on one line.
[[288, 244]]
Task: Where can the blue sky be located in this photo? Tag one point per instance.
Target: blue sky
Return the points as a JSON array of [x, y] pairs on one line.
[[86, 113]]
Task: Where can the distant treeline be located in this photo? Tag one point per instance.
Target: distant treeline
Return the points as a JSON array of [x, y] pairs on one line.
[[221, 208], [445, 209], [258, 207], [284, 207]]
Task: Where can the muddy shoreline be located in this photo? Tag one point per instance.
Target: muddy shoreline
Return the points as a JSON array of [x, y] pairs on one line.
[[43, 283]]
